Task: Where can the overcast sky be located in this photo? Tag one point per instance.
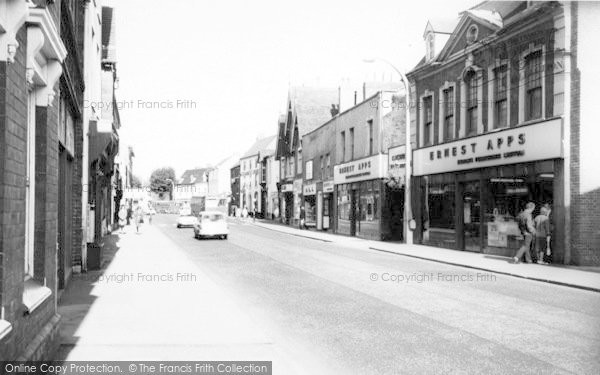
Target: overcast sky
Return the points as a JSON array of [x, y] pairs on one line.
[[229, 63]]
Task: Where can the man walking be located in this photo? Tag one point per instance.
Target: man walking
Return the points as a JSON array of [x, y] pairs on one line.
[[527, 228]]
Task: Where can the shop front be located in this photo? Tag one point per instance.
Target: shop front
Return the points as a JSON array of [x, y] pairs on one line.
[[287, 203], [359, 186], [469, 192], [394, 204], [327, 205], [297, 204], [309, 193]]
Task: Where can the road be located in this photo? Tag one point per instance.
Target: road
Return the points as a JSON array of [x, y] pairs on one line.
[[337, 309]]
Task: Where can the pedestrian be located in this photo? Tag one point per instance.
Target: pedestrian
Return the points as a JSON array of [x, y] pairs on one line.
[[122, 219], [254, 214], [527, 228], [302, 218], [244, 213], [138, 217], [542, 234]]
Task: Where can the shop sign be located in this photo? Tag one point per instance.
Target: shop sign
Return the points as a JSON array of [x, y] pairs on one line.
[[287, 188], [297, 186], [365, 169], [521, 144], [397, 162], [310, 189], [328, 187]]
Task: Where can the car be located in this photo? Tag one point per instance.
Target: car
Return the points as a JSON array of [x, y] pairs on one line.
[[211, 224], [186, 221]]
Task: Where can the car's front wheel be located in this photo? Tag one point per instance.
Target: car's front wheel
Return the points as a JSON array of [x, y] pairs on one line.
[[224, 237]]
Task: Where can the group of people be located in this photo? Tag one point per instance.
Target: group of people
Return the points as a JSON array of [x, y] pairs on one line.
[[536, 233], [138, 217]]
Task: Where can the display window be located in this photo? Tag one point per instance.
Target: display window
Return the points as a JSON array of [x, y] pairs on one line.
[[310, 210], [343, 202]]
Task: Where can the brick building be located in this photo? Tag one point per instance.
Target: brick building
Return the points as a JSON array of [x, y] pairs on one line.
[[498, 124], [368, 203], [32, 55]]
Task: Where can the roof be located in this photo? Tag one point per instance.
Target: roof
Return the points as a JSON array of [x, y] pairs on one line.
[[261, 146], [444, 25], [490, 16], [193, 176], [108, 35], [312, 106]]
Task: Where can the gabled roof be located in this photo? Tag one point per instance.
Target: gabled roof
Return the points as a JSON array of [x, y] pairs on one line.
[[440, 25], [312, 106], [193, 176], [261, 146]]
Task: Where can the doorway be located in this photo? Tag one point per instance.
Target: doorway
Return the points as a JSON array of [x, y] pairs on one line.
[[471, 212], [354, 212]]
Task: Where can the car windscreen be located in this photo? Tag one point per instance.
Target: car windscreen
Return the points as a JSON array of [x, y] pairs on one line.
[[212, 217]]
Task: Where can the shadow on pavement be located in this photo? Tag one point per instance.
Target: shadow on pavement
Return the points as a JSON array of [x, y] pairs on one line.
[[77, 298]]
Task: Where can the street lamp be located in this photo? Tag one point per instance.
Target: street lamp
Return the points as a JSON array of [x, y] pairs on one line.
[[408, 157]]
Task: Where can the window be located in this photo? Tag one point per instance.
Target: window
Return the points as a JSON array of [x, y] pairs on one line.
[[328, 162], [30, 187], [343, 146], [309, 170], [322, 166], [448, 113], [299, 162], [292, 165], [351, 143], [500, 97], [370, 125], [472, 86], [428, 119], [533, 86]]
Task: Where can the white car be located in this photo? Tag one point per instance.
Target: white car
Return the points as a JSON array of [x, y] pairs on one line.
[[186, 221], [211, 224]]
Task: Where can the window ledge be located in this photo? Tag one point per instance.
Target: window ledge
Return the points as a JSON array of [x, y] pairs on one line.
[[5, 328], [34, 295]]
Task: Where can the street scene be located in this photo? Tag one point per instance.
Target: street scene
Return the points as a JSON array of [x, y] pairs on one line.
[[281, 188]]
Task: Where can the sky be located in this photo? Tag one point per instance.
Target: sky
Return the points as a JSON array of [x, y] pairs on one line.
[[201, 80]]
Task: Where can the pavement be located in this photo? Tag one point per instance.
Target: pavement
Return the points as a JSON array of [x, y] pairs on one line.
[[584, 278]]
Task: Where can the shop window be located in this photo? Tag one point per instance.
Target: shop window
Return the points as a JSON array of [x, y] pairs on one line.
[[343, 202], [440, 201]]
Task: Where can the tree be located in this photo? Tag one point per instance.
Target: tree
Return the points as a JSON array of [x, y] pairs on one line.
[[159, 180], [136, 182]]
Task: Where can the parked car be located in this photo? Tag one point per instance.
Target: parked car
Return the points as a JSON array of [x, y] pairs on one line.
[[186, 221], [211, 224]]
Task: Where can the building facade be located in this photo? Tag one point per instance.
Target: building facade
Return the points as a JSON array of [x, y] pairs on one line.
[[366, 197], [234, 202], [307, 108], [269, 181], [497, 125], [253, 188], [32, 54]]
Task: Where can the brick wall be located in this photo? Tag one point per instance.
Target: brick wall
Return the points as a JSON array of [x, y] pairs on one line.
[[34, 335], [585, 205]]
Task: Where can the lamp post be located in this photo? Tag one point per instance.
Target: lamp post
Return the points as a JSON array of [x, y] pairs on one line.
[[408, 157]]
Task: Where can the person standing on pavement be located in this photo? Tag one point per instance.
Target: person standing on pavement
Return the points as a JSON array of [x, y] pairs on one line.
[[138, 216], [122, 219], [542, 234], [527, 228]]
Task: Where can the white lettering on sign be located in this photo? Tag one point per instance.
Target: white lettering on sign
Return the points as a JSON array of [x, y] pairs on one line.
[[538, 141], [397, 162], [310, 189]]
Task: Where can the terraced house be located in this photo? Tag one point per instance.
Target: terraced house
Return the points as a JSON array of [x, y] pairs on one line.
[[503, 119]]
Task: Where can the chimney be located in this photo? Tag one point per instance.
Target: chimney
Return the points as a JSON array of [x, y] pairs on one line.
[[354, 97], [364, 91]]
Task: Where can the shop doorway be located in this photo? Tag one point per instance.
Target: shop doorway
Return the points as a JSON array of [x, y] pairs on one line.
[[471, 211], [396, 202], [354, 212], [289, 207], [65, 167]]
